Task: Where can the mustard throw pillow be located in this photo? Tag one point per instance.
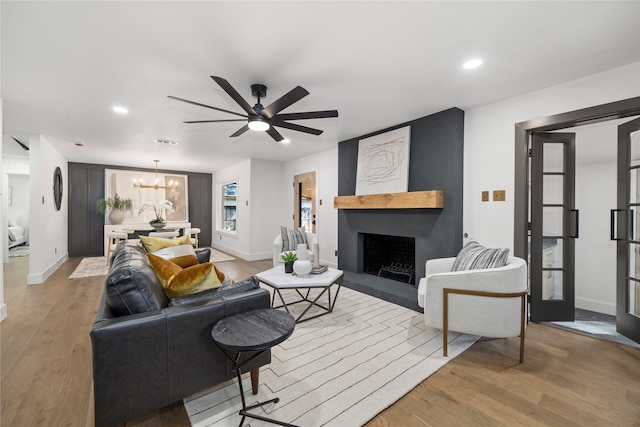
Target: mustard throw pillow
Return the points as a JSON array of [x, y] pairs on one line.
[[178, 281], [152, 244], [182, 255]]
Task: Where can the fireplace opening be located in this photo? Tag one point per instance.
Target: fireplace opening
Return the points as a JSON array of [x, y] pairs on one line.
[[391, 257]]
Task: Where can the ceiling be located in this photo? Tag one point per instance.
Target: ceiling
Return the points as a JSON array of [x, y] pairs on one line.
[[66, 64]]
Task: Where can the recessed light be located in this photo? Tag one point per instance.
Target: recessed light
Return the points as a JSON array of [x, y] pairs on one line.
[[120, 110], [166, 141], [474, 63], [285, 141]]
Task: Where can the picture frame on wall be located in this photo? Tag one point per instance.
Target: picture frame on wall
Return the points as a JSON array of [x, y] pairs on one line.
[[383, 162], [121, 182]]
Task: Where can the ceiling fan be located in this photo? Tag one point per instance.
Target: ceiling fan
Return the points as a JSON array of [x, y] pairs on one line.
[[260, 118]]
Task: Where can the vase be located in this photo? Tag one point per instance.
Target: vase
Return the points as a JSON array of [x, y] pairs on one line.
[[302, 267], [116, 216], [288, 267], [158, 225], [302, 253]]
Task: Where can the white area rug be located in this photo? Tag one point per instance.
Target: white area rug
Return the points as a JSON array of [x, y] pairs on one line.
[[88, 267], [341, 369], [19, 251], [217, 256]]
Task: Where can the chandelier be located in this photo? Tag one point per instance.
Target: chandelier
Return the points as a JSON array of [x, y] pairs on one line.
[[170, 186]]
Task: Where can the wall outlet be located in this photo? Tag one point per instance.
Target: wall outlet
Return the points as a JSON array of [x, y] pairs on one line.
[[499, 195], [485, 196]]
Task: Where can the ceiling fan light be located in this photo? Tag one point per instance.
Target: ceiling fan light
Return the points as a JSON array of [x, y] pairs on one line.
[[258, 125]]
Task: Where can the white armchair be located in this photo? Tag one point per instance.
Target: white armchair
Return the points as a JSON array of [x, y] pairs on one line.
[[489, 302], [312, 243]]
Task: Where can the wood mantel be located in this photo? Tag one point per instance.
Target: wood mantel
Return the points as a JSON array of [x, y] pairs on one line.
[[410, 200]]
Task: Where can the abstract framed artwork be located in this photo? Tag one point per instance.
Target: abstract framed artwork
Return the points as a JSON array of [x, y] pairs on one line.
[[383, 163]]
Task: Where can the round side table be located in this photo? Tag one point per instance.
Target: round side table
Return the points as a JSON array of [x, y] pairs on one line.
[[252, 331]]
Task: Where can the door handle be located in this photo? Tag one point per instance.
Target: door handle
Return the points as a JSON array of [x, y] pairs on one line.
[[613, 223], [576, 224]]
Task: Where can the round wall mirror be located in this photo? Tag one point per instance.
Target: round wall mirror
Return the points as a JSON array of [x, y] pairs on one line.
[[57, 188]]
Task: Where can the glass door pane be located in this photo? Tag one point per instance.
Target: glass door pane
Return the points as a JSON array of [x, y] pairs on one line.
[[628, 247], [552, 244]]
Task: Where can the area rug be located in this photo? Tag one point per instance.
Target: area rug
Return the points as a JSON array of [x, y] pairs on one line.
[[19, 251], [217, 256], [340, 369], [88, 267]]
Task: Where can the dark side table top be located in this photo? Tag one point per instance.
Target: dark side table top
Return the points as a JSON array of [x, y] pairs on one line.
[[254, 330]]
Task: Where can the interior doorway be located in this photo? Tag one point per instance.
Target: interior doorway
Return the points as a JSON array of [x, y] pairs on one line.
[[524, 133], [304, 201]]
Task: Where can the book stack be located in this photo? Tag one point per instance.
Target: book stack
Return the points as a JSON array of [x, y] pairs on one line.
[[318, 268]]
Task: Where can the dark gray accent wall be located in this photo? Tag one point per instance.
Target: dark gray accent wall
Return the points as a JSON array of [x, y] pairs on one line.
[[435, 163], [86, 224]]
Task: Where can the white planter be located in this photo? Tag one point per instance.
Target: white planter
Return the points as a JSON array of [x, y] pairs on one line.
[[116, 216]]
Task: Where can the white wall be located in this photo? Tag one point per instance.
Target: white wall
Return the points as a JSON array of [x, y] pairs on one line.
[[3, 232], [266, 194], [490, 144], [48, 227], [257, 213], [265, 202]]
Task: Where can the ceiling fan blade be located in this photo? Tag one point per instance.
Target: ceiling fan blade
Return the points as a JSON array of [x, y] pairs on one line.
[[298, 128], [235, 95], [205, 106], [274, 134], [214, 121], [240, 131], [308, 115], [294, 95]]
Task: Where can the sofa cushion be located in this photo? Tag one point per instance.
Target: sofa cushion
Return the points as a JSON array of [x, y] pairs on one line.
[[291, 238], [227, 288], [178, 281], [152, 244], [474, 256], [132, 286], [182, 255]]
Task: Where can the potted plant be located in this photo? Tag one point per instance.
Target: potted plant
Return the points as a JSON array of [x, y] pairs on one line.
[[159, 210], [117, 206], [289, 258]]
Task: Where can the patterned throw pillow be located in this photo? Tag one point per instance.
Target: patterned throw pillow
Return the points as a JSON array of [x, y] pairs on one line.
[[182, 255], [291, 238], [177, 281], [474, 256]]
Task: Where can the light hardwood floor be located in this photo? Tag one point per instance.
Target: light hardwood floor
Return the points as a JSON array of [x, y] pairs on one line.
[[567, 379]]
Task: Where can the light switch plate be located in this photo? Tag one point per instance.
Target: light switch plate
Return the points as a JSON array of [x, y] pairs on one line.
[[499, 195]]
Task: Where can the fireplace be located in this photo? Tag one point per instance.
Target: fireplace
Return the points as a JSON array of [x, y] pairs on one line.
[[435, 163], [391, 257]]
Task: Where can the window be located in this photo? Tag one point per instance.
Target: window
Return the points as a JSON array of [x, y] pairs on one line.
[[229, 202]]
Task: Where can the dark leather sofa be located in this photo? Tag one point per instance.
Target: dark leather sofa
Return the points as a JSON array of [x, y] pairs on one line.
[[149, 351]]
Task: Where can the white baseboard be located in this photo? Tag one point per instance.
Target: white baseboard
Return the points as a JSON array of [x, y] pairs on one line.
[[36, 278], [597, 306]]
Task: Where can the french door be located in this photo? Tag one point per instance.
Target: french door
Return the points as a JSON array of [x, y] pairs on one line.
[[627, 233], [553, 226]]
